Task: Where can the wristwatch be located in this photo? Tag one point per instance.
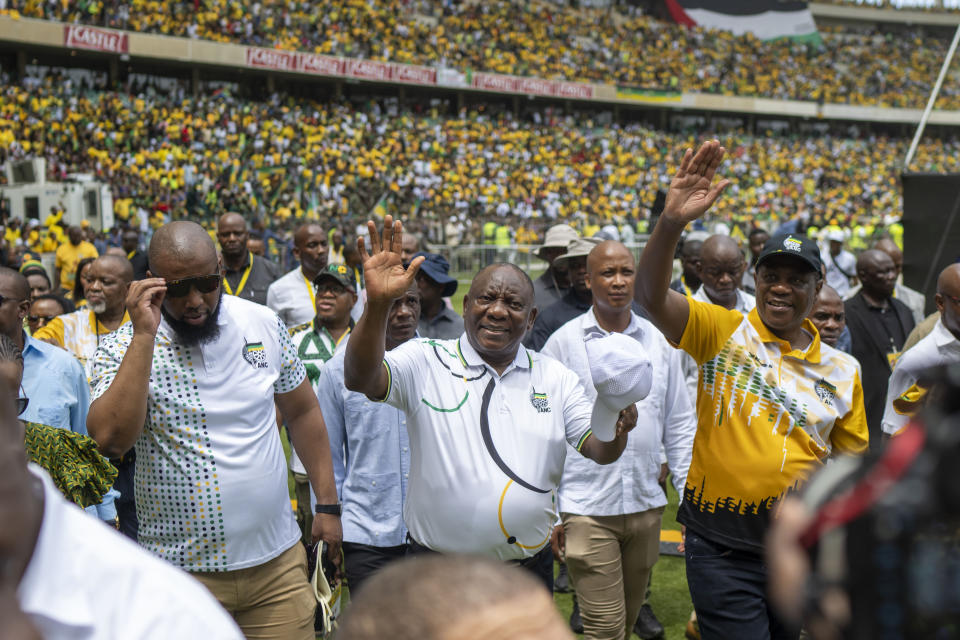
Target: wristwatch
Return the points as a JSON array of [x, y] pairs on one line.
[[333, 509]]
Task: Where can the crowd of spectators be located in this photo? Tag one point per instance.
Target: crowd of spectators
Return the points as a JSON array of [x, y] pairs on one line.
[[284, 159], [860, 66]]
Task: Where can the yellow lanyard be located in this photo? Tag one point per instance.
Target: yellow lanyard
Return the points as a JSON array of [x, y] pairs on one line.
[[131, 254], [313, 296], [243, 279], [685, 287]]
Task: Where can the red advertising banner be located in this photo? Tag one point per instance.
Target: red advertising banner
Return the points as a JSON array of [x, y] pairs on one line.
[[413, 74], [277, 60], [574, 90], [273, 59], [535, 86], [80, 37], [368, 70], [494, 82], [319, 64]]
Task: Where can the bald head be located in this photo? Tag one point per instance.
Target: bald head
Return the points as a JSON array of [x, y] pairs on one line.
[[720, 246], [304, 232], [231, 219], [890, 248], [180, 242], [15, 282], [606, 251], [948, 291], [505, 270], [481, 598], [117, 266]]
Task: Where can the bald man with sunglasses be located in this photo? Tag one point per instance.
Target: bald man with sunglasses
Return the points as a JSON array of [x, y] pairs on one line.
[[192, 381]]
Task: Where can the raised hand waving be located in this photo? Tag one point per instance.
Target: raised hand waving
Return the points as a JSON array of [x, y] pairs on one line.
[[692, 191], [385, 277]]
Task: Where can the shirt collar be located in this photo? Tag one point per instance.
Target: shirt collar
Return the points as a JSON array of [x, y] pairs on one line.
[[30, 343], [592, 325], [470, 358], [811, 354], [942, 336]]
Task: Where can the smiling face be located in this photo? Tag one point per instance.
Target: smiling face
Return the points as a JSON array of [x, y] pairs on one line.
[[334, 302], [786, 291], [497, 312]]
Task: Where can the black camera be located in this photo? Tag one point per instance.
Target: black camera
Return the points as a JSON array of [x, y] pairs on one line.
[[886, 529]]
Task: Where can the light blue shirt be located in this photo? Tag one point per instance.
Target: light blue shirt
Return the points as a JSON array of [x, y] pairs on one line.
[[59, 396], [56, 385], [371, 459]]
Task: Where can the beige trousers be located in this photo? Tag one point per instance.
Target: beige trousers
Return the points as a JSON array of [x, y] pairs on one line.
[[272, 601], [609, 559]]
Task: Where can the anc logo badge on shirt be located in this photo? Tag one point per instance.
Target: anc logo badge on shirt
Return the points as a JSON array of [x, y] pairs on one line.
[[792, 244], [254, 354], [539, 401], [826, 392]]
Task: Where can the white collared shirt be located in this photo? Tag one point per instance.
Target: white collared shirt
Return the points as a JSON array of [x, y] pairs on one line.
[[88, 582], [666, 421], [937, 348], [487, 450], [292, 298], [211, 479]]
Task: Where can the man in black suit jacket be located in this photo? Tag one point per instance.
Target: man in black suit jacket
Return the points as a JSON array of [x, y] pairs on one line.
[[879, 325]]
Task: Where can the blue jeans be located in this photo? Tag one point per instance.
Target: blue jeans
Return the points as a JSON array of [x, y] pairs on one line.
[[729, 591]]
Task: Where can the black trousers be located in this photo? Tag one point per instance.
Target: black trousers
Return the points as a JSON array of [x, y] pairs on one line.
[[539, 564], [125, 504], [361, 561]]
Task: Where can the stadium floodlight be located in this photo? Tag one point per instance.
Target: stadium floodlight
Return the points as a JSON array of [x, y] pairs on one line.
[[933, 98]]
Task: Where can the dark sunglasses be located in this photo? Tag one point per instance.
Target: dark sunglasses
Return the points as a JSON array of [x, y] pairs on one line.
[[203, 284], [39, 318]]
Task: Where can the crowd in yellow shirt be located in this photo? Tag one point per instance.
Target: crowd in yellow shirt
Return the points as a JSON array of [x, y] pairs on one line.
[[287, 159], [852, 65]]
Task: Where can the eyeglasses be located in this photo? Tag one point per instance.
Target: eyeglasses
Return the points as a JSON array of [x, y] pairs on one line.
[[5, 299], [955, 300], [45, 319], [203, 284]]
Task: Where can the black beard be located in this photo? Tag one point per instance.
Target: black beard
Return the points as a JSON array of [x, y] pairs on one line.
[[190, 335]]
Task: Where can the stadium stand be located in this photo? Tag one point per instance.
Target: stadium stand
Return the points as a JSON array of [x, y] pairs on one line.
[[285, 158], [856, 65]]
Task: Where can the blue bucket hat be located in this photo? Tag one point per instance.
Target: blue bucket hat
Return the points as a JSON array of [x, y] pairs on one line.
[[437, 269]]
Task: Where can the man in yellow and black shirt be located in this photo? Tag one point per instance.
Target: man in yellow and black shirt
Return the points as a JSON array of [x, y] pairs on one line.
[[773, 403]]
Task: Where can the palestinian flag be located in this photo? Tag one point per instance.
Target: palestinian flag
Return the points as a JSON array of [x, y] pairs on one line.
[[766, 19]]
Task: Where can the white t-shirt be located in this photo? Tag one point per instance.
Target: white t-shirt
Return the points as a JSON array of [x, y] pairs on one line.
[[839, 270], [937, 348], [292, 297], [460, 415], [211, 480], [86, 581]]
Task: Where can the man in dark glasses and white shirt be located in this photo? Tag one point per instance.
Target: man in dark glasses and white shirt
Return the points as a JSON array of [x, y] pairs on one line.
[[192, 382]]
